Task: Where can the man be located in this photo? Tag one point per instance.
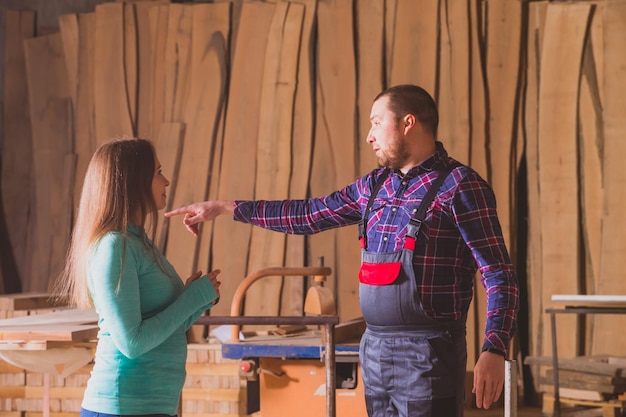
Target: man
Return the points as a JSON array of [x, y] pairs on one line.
[[416, 283]]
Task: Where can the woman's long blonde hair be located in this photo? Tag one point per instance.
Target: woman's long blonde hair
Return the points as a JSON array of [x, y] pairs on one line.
[[117, 191]]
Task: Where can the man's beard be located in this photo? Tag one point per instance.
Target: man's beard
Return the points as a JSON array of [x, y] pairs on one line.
[[395, 157]]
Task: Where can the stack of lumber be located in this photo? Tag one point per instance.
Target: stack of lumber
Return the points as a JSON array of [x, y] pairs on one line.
[[213, 387], [589, 381], [27, 304], [22, 392]]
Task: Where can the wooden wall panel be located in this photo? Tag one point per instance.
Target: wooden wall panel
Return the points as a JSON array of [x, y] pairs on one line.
[[78, 47], [477, 138], [453, 98], [169, 149], [51, 121], [16, 162], [292, 294], [414, 46], [610, 281], [274, 149], [537, 328], [231, 240], [453, 101], [208, 37], [335, 163], [370, 27], [591, 143], [112, 106], [558, 165], [503, 48], [158, 18], [478, 91]]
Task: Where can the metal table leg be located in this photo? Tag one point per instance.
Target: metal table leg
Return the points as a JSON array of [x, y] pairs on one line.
[[555, 367]]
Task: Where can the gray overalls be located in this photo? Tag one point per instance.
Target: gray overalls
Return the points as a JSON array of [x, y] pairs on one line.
[[412, 365]]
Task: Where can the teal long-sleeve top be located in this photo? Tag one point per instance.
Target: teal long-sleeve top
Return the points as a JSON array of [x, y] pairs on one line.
[[144, 310]]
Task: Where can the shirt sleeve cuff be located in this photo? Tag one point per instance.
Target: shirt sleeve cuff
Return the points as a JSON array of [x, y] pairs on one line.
[[496, 351]]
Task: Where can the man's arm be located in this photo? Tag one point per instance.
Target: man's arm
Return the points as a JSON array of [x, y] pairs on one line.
[[202, 212]]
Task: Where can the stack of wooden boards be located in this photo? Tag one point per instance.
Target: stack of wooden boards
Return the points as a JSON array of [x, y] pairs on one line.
[[584, 381], [212, 387]]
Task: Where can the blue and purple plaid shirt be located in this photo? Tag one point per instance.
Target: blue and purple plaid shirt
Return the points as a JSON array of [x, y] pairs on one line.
[[460, 235]]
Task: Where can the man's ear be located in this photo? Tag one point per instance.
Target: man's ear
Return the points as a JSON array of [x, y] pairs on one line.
[[408, 122]]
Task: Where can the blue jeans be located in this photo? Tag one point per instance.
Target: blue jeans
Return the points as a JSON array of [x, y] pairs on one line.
[[88, 413]]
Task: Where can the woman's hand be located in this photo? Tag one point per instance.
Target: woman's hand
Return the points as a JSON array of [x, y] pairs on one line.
[[216, 284], [212, 276]]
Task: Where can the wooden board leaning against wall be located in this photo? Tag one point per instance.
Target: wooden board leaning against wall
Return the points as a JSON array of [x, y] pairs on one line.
[[501, 88]]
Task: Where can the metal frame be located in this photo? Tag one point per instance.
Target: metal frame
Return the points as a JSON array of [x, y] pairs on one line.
[[555, 361]]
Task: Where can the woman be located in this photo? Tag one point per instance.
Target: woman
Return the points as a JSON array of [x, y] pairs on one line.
[[144, 308]]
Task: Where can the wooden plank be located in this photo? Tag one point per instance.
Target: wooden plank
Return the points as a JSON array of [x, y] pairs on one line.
[[113, 112], [549, 399], [177, 60], [580, 364], [232, 240], [478, 161], [591, 146], [66, 316], [158, 17], [292, 298], [28, 301], [390, 38], [414, 49], [16, 156], [273, 169], [503, 83], [169, 149], [478, 133], [566, 26], [84, 106], [68, 26], [573, 393], [589, 300], [131, 61], [50, 332], [335, 161], [50, 109], [605, 338], [202, 117], [370, 37], [146, 69], [455, 131], [587, 381], [74, 60], [61, 206], [453, 99], [538, 326]]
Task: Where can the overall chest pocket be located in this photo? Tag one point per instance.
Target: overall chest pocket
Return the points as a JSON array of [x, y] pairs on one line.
[[379, 273]]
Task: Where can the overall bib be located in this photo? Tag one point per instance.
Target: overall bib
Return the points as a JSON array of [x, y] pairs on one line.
[[412, 365]]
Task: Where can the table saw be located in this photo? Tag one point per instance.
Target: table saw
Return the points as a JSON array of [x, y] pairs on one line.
[[297, 370]]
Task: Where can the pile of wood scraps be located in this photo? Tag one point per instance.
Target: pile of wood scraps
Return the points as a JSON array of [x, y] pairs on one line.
[[584, 383]]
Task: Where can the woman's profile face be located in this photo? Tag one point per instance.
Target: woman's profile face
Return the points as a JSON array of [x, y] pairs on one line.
[[159, 183]]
